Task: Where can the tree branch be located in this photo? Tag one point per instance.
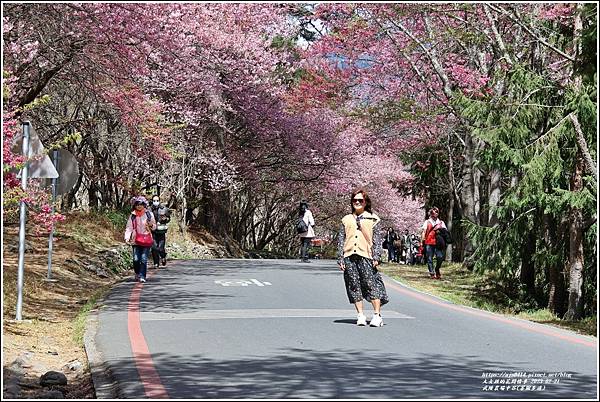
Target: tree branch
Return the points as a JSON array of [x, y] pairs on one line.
[[589, 162], [497, 36], [531, 33]]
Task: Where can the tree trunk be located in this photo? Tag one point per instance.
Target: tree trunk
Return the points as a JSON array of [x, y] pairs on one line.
[[216, 214], [557, 290], [575, 309], [468, 192], [556, 280], [527, 275], [576, 263], [182, 218], [449, 225], [476, 174], [93, 196], [494, 196], [69, 199]]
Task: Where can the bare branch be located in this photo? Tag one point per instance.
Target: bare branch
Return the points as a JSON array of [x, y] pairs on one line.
[[497, 36], [531, 33]]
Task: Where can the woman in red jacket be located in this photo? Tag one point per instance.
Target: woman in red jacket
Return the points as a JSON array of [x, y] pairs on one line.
[[428, 238]]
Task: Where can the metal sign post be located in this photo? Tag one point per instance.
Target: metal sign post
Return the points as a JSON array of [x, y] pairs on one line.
[[22, 218], [51, 237]]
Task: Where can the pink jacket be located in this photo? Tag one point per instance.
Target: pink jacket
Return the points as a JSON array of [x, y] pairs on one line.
[[141, 224]]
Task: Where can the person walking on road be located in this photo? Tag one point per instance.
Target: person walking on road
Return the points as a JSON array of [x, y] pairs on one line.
[[306, 216], [405, 254], [359, 254], [390, 237], [138, 233], [162, 216], [430, 228]]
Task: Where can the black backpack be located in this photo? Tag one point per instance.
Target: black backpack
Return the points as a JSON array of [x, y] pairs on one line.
[[301, 226], [442, 238]]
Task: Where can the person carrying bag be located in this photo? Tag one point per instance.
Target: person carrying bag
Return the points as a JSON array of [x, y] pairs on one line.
[[138, 233]]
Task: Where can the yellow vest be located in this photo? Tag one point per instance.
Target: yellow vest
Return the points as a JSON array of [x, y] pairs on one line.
[[359, 241]]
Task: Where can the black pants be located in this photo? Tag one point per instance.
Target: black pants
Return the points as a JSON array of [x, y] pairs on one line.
[[305, 243], [158, 248]]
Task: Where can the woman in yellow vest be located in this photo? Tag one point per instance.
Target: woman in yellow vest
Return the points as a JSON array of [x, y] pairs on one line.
[[359, 254]]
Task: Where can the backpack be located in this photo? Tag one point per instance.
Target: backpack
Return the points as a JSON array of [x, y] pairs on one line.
[[442, 238], [440, 242], [446, 235], [301, 226], [148, 216]]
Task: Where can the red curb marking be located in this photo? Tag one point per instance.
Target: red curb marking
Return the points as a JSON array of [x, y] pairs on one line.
[[141, 354], [493, 317]]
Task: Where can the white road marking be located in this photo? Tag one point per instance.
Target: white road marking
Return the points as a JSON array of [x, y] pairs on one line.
[[263, 313], [241, 282]]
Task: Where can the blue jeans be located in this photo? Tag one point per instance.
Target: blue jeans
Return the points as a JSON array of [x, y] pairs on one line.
[[439, 257], [391, 253], [140, 260]]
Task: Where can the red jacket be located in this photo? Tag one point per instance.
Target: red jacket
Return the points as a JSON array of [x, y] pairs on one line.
[[430, 232]]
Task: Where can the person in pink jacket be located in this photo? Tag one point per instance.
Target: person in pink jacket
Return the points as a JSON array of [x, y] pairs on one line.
[[138, 233]]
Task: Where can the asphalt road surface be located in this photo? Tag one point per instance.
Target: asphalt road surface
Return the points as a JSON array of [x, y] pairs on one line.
[[284, 329]]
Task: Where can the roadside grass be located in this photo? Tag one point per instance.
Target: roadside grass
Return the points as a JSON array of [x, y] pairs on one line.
[[482, 291], [80, 320], [54, 312], [94, 230]]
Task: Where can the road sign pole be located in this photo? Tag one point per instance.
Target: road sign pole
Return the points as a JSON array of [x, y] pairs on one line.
[[22, 218], [51, 237]]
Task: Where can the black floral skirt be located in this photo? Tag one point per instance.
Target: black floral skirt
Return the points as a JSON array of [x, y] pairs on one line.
[[363, 280]]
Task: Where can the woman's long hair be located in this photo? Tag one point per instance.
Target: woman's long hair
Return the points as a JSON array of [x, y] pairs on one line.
[[302, 208], [367, 201]]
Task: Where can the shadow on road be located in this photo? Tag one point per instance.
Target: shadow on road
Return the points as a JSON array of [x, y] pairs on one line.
[[299, 373], [178, 297]]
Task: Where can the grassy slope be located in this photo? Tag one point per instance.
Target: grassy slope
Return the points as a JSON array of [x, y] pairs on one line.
[[54, 312], [461, 286]]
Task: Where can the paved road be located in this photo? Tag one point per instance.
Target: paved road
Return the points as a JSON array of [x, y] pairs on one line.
[[282, 329]]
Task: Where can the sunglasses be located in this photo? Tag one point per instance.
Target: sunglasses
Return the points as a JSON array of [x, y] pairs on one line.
[[359, 200]]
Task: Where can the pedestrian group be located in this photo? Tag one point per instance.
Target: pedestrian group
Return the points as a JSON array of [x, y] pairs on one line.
[[360, 243], [146, 232]]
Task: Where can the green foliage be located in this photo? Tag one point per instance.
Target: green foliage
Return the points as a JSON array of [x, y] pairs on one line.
[[125, 260], [43, 100], [528, 137], [283, 43], [5, 88], [586, 65], [68, 139], [81, 319], [118, 218]]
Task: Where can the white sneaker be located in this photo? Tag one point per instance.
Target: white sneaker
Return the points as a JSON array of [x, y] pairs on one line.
[[361, 320], [142, 280], [376, 321]]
